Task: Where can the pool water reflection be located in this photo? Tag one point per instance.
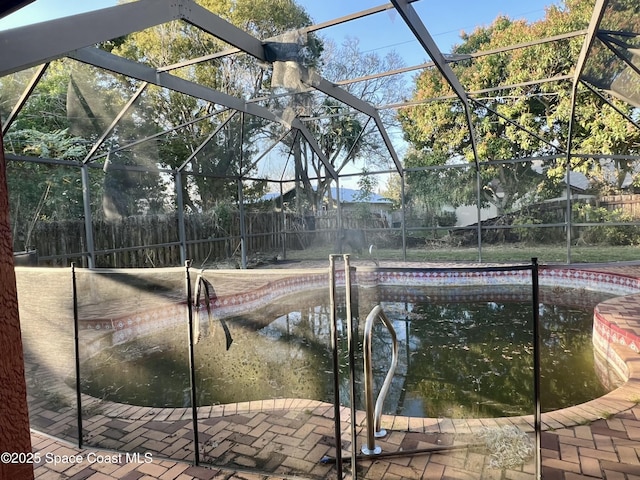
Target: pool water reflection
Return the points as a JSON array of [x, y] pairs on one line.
[[470, 358], [476, 359]]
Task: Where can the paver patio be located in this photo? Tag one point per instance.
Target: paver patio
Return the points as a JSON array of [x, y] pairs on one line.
[[289, 438]]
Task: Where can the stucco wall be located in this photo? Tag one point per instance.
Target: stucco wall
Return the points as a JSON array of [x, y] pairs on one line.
[[15, 436]]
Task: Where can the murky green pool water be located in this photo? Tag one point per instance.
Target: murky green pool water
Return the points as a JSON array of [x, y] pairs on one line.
[[458, 358]]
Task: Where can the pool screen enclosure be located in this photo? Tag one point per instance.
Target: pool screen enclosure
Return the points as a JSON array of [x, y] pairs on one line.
[[147, 189], [182, 187]]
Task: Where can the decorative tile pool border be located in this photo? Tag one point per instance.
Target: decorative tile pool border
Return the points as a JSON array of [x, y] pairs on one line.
[[614, 284], [126, 327]]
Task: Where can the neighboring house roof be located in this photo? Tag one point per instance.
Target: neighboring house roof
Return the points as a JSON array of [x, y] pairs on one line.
[[349, 195], [270, 196], [579, 180]]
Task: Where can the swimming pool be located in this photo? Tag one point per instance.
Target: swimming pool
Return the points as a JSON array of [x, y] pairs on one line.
[[465, 352]]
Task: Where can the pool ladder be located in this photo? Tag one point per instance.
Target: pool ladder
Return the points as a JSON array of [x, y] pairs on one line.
[[374, 413]]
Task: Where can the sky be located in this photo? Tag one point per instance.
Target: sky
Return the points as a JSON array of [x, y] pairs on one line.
[[380, 33], [43, 10], [444, 19]]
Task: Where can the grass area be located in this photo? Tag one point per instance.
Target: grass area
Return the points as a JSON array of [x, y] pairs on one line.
[[504, 253]]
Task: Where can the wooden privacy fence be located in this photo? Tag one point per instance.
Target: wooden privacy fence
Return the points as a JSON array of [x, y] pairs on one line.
[[628, 204], [154, 240]]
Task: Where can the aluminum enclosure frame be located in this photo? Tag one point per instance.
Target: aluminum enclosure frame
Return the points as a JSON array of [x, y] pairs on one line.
[[76, 36]]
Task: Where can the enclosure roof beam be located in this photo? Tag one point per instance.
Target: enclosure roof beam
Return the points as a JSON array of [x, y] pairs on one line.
[[113, 63], [266, 151], [309, 29], [475, 92], [611, 104], [385, 137], [592, 32], [204, 19], [302, 128], [347, 98], [96, 145], [24, 47], [353, 16], [615, 46], [517, 125], [415, 24], [220, 28], [158, 134], [25, 96], [208, 21], [200, 147], [354, 145], [31, 45], [50, 161], [461, 58], [413, 21], [633, 158], [449, 59]]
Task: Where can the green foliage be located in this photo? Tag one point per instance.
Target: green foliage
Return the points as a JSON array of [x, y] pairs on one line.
[[73, 105], [446, 219], [42, 191], [58, 144], [366, 188], [431, 190], [542, 110], [604, 233], [367, 185], [45, 110], [223, 157], [533, 235], [223, 215], [393, 190], [69, 108]]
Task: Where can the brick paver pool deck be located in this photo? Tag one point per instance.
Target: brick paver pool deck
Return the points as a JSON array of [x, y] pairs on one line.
[[596, 440]]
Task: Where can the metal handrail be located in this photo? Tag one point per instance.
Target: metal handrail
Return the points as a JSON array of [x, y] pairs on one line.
[[374, 415]]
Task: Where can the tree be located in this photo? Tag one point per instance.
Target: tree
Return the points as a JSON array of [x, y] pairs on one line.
[[76, 103], [41, 191], [42, 129], [367, 185], [345, 136], [522, 121], [69, 109], [431, 190], [215, 160]]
